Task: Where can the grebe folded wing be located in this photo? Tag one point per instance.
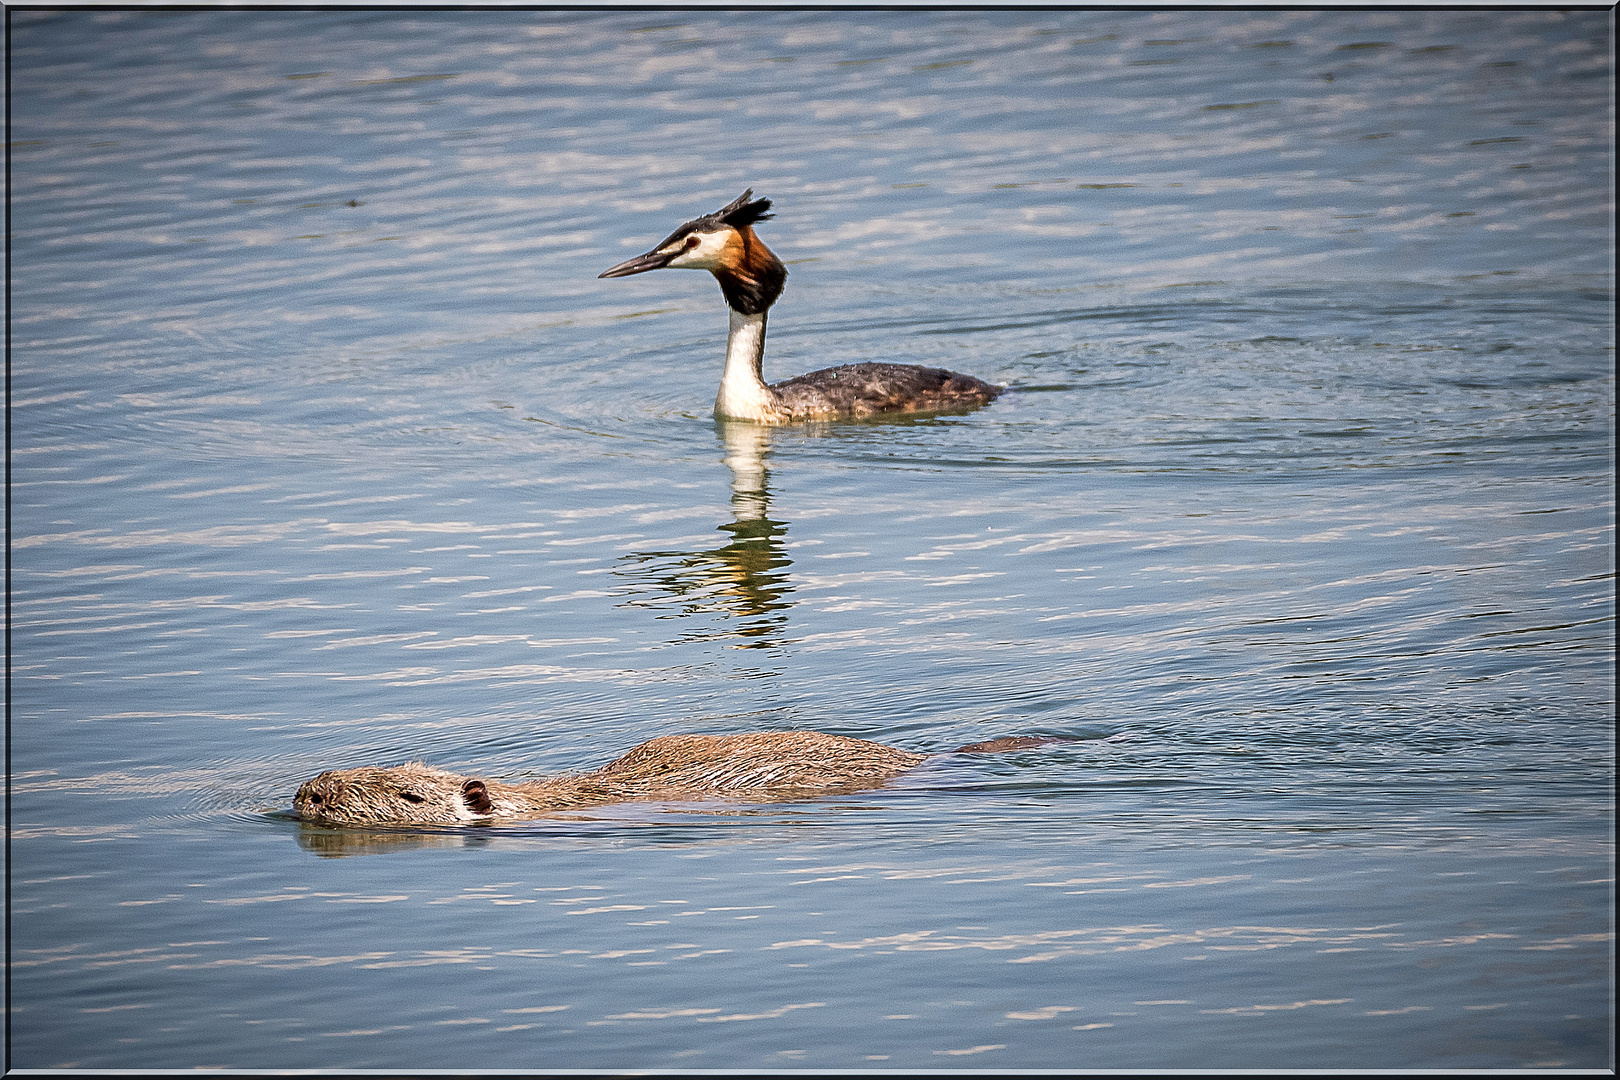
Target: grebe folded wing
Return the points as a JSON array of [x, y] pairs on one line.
[[751, 278], [872, 389]]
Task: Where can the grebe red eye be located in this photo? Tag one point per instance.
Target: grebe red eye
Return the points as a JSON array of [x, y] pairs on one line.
[[691, 242]]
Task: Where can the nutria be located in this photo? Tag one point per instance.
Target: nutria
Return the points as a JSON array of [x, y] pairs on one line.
[[767, 766]]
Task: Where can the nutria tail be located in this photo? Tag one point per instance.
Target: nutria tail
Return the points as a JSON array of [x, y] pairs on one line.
[[1008, 742]]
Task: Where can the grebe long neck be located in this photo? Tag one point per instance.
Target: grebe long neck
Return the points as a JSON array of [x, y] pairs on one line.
[[743, 394]]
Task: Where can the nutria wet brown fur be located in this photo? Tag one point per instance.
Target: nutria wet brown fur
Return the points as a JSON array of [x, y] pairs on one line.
[[767, 766]]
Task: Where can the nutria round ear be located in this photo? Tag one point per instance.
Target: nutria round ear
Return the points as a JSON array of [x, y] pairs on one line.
[[474, 794]]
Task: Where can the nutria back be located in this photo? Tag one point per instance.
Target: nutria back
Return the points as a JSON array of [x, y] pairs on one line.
[[763, 766]]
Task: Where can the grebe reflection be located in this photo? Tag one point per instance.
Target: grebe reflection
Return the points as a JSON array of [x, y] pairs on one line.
[[743, 581]]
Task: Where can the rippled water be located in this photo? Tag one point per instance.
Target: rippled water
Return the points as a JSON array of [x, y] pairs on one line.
[[329, 448]]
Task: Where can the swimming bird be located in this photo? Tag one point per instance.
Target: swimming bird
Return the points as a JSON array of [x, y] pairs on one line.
[[751, 277]]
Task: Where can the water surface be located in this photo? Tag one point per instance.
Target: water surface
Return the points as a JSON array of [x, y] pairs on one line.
[[329, 448]]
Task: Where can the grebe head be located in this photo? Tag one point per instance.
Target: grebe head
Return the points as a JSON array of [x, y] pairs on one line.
[[750, 275]]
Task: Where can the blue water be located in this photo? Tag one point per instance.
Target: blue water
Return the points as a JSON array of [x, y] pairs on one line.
[[328, 448]]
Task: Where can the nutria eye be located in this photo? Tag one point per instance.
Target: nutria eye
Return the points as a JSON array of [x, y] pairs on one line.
[[316, 799], [411, 797]]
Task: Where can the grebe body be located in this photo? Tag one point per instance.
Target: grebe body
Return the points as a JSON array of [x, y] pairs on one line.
[[751, 278]]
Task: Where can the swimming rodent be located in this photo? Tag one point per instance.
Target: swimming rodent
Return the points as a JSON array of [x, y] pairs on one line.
[[768, 766]]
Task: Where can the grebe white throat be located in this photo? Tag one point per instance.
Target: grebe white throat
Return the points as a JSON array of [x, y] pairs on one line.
[[743, 394]]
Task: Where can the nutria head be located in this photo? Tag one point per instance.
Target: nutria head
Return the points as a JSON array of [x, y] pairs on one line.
[[413, 793]]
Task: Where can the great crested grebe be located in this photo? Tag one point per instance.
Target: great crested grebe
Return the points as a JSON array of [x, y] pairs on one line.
[[751, 278]]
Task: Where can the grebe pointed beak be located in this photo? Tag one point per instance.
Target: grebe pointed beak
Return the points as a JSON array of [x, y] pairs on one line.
[[653, 260]]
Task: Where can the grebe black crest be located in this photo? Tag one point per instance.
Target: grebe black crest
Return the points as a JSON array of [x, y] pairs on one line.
[[751, 277]]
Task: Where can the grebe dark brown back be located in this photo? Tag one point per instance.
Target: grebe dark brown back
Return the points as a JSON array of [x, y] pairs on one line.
[[751, 277]]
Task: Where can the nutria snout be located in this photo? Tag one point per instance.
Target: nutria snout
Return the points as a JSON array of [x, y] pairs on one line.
[[765, 766]]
